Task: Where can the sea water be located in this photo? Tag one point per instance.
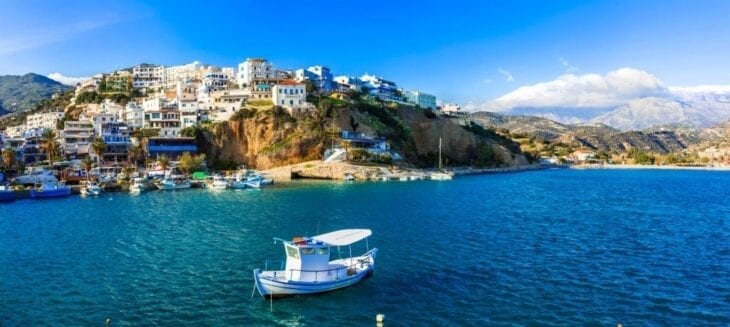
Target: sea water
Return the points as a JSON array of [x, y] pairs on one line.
[[552, 247]]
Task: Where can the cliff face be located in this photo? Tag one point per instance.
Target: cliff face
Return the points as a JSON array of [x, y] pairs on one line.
[[271, 138], [264, 140]]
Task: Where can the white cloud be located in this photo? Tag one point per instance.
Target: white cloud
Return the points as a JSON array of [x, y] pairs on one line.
[[68, 80], [570, 69], [506, 74], [583, 91], [487, 81]]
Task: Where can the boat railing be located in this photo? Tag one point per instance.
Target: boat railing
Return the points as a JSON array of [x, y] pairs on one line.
[[351, 267]]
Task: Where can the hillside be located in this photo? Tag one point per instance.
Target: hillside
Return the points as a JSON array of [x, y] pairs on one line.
[[23, 93], [593, 136], [266, 138]]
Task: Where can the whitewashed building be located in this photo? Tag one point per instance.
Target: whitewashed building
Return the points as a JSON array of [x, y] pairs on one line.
[[134, 115], [421, 99], [290, 95], [43, 120], [162, 114], [255, 70], [320, 76], [173, 74], [76, 137], [147, 76]]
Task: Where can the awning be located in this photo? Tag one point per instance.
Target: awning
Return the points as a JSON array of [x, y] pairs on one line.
[[343, 237]]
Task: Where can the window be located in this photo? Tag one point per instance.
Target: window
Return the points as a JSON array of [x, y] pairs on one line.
[[307, 251], [323, 251], [292, 252]]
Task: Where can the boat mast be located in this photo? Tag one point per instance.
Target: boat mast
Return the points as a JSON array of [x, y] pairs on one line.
[[439, 153]]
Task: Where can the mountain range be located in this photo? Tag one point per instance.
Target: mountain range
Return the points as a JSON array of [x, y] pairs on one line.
[[599, 136], [22, 93]]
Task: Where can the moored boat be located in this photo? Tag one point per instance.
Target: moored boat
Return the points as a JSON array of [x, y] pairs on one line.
[[50, 190], [309, 269], [137, 186], [91, 189], [218, 183], [440, 177], [36, 176]]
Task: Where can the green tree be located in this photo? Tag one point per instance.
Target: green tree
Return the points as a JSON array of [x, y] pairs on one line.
[[49, 145], [163, 161], [99, 147], [188, 162], [134, 153], [9, 157], [87, 163]]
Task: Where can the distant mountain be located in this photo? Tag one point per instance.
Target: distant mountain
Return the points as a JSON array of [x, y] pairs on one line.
[[650, 111], [595, 136], [22, 93]]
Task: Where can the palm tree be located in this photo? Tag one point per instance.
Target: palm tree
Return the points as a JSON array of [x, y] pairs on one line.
[[9, 157], [98, 146], [134, 154], [49, 144], [87, 163], [163, 161]]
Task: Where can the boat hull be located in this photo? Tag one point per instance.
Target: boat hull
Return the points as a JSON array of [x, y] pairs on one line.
[[7, 196], [268, 285], [50, 193], [272, 288]]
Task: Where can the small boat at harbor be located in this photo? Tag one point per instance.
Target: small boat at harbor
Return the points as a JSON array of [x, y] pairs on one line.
[[137, 186], [218, 183], [309, 269], [50, 190], [238, 183], [440, 177], [170, 184], [91, 189]]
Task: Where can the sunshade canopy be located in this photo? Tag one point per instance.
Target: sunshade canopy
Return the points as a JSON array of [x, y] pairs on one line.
[[343, 237]]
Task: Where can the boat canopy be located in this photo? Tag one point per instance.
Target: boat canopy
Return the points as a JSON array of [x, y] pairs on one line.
[[343, 237]]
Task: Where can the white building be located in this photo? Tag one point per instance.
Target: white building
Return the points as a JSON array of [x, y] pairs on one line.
[[76, 137], [421, 99], [174, 74], [134, 115], [162, 114], [223, 104], [452, 109], [15, 131], [215, 81], [344, 83], [112, 108], [255, 70], [43, 120], [291, 95], [320, 76], [147, 76], [89, 85], [189, 112], [378, 86]]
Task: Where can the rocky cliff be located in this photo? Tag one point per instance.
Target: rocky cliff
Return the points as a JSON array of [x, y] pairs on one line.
[[267, 138]]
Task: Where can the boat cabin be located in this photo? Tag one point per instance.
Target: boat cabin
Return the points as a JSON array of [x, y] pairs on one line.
[[306, 259]]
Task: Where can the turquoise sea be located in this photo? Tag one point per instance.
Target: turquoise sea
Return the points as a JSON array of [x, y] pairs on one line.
[[552, 247]]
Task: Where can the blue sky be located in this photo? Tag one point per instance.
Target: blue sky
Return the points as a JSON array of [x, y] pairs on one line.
[[459, 50]]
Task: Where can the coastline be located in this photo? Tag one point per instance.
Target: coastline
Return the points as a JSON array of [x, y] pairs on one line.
[[664, 167]]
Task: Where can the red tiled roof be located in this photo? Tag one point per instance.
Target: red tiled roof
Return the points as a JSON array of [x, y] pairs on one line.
[[289, 82]]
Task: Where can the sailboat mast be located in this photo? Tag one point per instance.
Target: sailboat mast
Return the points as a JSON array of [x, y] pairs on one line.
[[439, 153]]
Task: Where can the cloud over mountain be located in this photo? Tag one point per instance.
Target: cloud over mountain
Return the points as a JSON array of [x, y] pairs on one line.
[[68, 80], [583, 91], [625, 98]]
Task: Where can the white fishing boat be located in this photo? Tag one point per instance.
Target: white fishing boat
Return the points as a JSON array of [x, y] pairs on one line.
[[182, 184], [91, 189], [440, 177], [238, 183], [309, 269], [137, 186], [165, 184], [218, 183], [252, 184], [36, 176]]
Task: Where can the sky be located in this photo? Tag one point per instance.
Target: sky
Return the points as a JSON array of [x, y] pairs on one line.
[[460, 51]]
